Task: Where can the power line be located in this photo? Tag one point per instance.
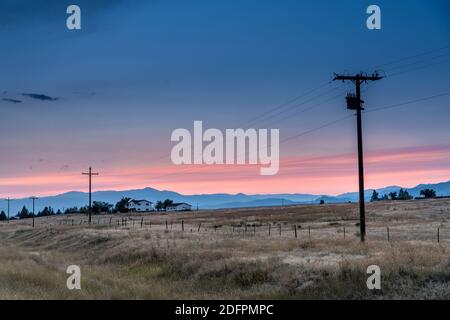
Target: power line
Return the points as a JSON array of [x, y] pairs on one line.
[[285, 104], [304, 133], [325, 125], [418, 68], [408, 102], [267, 115], [409, 57], [303, 110], [289, 116], [335, 97], [415, 63], [347, 117], [397, 105], [189, 169], [385, 64], [371, 84]]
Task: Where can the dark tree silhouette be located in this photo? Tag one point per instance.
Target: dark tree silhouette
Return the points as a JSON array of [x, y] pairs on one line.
[[167, 203], [47, 211], [375, 196], [159, 205], [393, 195], [121, 206], [428, 193], [404, 195], [24, 213], [100, 206], [71, 210]]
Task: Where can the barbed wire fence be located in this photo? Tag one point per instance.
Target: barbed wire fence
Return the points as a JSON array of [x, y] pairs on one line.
[[376, 231]]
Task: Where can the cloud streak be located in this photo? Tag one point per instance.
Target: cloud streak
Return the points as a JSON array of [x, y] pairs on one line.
[[12, 100], [39, 96]]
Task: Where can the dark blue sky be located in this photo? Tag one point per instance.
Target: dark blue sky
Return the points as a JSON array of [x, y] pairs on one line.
[[139, 69]]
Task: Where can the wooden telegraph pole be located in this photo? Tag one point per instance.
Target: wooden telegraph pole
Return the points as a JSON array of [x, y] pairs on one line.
[[33, 198], [90, 174], [9, 200], [354, 102]]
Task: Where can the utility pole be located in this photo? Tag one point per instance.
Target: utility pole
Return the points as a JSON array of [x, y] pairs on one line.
[[90, 174], [354, 102], [7, 199], [33, 198]]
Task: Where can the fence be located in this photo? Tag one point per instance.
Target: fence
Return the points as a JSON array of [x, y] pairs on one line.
[[313, 231]]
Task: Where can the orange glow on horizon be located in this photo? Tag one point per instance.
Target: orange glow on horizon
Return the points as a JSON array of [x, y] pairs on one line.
[[317, 175]]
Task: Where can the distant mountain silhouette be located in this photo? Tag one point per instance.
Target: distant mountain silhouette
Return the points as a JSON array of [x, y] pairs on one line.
[[209, 201]]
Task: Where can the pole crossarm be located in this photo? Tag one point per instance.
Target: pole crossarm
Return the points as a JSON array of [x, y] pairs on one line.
[[357, 77], [90, 174]]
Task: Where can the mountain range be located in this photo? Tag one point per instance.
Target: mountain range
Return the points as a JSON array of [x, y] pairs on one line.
[[208, 201]]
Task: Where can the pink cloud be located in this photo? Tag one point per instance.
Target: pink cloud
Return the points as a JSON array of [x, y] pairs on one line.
[[332, 174]]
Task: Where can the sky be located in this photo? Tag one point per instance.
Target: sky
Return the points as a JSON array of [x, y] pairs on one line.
[[110, 95]]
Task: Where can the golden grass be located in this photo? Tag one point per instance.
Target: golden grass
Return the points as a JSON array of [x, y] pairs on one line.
[[150, 262]]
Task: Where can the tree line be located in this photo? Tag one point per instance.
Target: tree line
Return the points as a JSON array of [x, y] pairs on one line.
[[25, 213], [120, 207], [98, 207], [402, 195]]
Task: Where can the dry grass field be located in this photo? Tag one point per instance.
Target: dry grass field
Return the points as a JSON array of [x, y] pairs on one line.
[[231, 254]]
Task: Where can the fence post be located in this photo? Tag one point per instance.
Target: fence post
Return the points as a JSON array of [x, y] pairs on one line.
[[254, 228], [438, 235], [280, 229], [309, 233], [388, 235], [110, 220], [344, 232], [269, 228], [167, 227], [295, 231], [182, 225], [199, 226], [142, 222]]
